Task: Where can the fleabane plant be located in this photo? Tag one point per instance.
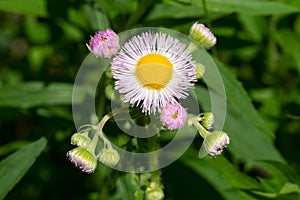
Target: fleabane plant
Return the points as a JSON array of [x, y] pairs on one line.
[[153, 72]]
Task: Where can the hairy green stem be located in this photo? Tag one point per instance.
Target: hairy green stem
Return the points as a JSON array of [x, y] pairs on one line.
[[202, 131], [93, 143], [153, 145]]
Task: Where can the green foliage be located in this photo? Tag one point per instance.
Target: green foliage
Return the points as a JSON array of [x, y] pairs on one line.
[[13, 168], [251, 7], [42, 44], [33, 94], [32, 7]]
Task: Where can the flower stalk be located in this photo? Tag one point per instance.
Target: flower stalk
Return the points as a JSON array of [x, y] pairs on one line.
[[214, 142]]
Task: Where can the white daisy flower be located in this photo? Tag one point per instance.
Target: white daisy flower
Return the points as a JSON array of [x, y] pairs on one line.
[[152, 70]]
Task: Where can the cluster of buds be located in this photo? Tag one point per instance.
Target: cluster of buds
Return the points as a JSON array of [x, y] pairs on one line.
[[174, 116], [214, 141], [84, 156]]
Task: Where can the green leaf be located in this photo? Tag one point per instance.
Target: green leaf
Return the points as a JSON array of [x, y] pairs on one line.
[[250, 137], [289, 41], [96, 16], [37, 32], [71, 31], [247, 142], [289, 191], [13, 168], [126, 187], [254, 26], [239, 99], [250, 7], [281, 171], [12, 146], [290, 188], [167, 11], [32, 94], [225, 177], [236, 96], [30, 7]]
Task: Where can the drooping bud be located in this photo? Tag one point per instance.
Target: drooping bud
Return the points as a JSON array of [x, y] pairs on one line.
[[208, 120], [214, 143], [83, 159], [109, 157], [80, 140], [173, 116], [202, 36], [104, 44]]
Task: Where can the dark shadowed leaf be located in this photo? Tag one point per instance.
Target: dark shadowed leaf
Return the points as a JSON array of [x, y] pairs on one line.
[[13, 168]]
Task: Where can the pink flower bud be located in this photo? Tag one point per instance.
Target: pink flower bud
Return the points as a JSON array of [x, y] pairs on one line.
[[173, 116], [104, 44]]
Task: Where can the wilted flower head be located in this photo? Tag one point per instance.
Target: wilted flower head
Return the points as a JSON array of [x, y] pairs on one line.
[[83, 159], [104, 44], [173, 116], [152, 70], [109, 157], [214, 143], [202, 36]]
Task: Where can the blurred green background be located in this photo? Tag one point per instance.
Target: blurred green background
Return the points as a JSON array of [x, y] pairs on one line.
[[42, 44]]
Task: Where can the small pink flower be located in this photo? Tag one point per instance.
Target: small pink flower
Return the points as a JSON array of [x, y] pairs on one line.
[[173, 116], [104, 44]]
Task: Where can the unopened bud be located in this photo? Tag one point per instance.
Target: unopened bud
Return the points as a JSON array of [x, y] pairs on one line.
[[208, 120], [109, 157], [154, 193], [214, 143], [80, 140], [83, 159], [104, 44], [202, 36]]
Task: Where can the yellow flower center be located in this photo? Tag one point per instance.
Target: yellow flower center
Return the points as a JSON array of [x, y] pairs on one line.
[[175, 115], [154, 71], [103, 39]]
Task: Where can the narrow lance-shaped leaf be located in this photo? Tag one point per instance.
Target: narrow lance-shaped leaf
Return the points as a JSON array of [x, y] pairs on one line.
[[235, 95], [30, 94], [251, 7], [13, 168], [222, 175]]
